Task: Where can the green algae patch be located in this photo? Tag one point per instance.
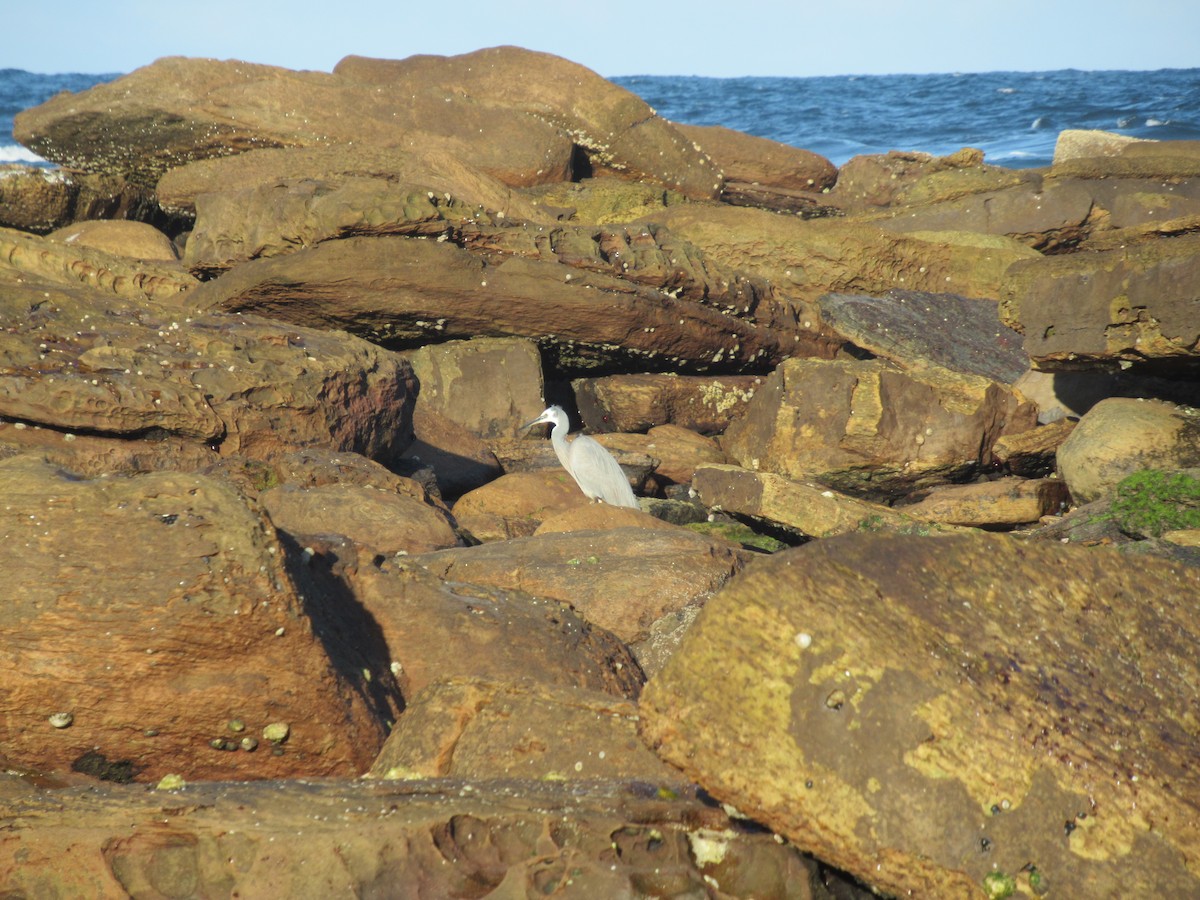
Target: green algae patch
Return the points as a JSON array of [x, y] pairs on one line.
[[1152, 502]]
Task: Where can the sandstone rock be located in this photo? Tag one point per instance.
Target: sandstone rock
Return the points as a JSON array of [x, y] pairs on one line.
[[1045, 216], [435, 629], [599, 517], [443, 838], [866, 428], [467, 728], [132, 127], [405, 293], [514, 505], [346, 175], [1076, 143], [645, 254], [1133, 306], [1111, 158], [33, 198], [490, 386], [805, 510], [460, 460], [915, 329], [134, 240], [90, 456], [284, 216], [621, 580], [113, 275], [807, 258], [902, 178], [617, 131], [630, 403], [744, 157], [1004, 503], [1031, 454], [382, 521], [925, 714], [84, 360], [600, 201], [155, 660], [1146, 206], [1120, 436], [39, 200]]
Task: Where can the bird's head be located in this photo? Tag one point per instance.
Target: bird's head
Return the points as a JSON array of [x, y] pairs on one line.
[[552, 414]]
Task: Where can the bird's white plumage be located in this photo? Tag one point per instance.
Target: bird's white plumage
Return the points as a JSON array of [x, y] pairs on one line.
[[593, 468]]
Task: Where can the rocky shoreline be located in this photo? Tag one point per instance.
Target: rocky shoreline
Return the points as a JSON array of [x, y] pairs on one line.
[[296, 608]]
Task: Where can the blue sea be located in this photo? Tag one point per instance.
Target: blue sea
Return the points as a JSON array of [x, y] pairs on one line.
[[1014, 117]]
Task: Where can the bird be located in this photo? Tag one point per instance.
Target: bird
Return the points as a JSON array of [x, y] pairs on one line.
[[593, 468]]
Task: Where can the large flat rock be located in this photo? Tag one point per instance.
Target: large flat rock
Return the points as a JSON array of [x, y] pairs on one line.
[[931, 715]]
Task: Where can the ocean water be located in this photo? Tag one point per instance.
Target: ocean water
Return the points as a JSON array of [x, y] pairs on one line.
[[1014, 117]]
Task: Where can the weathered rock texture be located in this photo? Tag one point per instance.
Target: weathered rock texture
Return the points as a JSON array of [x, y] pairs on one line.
[[848, 424], [1136, 305], [441, 838], [155, 611], [896, 706], [1120, 436]]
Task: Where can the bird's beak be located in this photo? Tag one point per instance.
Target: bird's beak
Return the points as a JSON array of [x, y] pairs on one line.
[[536, 421]]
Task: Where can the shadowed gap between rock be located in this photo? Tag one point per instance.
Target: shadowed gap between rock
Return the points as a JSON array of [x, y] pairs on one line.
[[352, 638]]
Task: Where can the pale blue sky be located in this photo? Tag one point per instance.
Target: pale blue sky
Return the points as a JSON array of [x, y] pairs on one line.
[[618, 37]]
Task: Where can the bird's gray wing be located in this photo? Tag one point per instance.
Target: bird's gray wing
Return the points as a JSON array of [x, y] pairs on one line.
[[598, 474]]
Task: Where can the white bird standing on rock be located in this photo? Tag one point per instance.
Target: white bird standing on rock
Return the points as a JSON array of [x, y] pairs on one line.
[[593, 468]]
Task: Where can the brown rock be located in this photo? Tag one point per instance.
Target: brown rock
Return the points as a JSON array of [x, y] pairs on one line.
[[964, 705], [68, 266], [406, 293], [1076, 143], [460, 460], [616, 129], [1131, 305], [915, 329], [1120, 436], [155, 661], [1004, 503], [645, 254], [514, 505], [39, 200], [1100, 155], [599, 517], [133, 240], [866, 428], [745, 158], [437, 629], [805, 258], [1031, 454], [1045, 216], [806, 510], [902, 178], [466, 728], [90, 456], [382, 521], [490, 386], [131, 126], [639, 402], [443, 838], [622, 580], [238, 383], [341, 179], [600, 201]]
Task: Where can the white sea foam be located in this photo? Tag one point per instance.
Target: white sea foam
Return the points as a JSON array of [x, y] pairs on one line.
[[15, 153]]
